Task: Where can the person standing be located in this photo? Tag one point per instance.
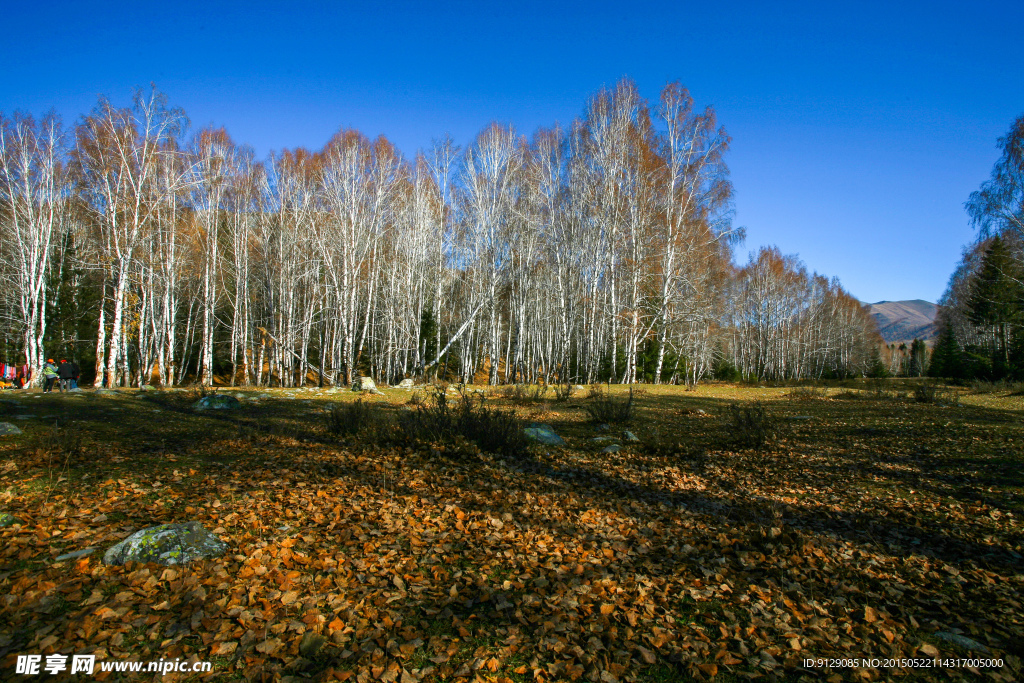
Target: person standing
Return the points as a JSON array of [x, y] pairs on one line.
[[65, 373], [49, 376], [75, 373]]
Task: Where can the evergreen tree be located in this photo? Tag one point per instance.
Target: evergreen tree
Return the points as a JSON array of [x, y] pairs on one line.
[[947, 358], [995, 301], [877, 368]]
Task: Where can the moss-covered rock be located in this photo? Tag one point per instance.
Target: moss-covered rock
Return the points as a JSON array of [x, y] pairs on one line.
[[6, 429], [217, 402], [167, 544]]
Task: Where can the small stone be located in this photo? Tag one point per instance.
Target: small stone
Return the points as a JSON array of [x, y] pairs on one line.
[[544, 434], [7, 429], [962, 641], [74, 555], [7, 519], [630, 437], [614, 448], [604, 427]]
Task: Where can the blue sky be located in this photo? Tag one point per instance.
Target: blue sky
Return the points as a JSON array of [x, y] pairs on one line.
[[859, 129]]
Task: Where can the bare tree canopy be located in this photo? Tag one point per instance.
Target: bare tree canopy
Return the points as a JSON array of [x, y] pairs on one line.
[[599, 251]]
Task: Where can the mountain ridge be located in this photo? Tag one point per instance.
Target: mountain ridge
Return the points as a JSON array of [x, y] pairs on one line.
[[903, 321]]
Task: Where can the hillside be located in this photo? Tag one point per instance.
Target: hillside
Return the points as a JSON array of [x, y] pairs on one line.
[[905, 320]]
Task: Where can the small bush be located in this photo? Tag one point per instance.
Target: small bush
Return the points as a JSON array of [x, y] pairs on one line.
[[563, 392], [595, 391], [444, 421], [61, 442], [415, 398], [350, 419], [604, 408], [522, 394], [808, 393], [932, 393], [753, 425]]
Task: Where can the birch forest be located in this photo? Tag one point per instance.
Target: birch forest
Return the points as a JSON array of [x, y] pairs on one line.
[[598, 251]]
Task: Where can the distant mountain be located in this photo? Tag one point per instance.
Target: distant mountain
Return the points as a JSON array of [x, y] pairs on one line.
[[903, 321]]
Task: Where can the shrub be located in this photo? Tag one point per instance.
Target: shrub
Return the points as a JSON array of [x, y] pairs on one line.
[[350, 419], [522, 394], [984, 387], [465, 419], [808, 392], [563, 392], [604, 408], [753, 425], [932, 393]]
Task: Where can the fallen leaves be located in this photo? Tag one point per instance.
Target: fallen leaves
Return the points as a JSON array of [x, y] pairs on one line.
[[576, 567]]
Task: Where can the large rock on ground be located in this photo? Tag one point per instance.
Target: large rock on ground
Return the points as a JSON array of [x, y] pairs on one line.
[[167, 544], [406, 383], [7, 429], [217, 402], [364, 384], [543, 434]]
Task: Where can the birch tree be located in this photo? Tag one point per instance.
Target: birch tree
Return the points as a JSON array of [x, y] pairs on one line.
[[34, 186]]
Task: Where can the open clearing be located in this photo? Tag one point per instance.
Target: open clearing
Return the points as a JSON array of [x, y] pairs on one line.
[[875, 527]]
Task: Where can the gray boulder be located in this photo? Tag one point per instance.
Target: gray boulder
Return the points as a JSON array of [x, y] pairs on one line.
[[364, 384], [614, 448], [105, 392], [630, 437], [217, 402], [7, 429], [406, 383], [543, 434], [167, 544]]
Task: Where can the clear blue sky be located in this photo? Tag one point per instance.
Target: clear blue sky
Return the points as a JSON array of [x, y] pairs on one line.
[[858, 129]]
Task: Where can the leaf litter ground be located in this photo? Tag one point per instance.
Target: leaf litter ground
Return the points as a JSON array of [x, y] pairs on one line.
[[874, 528]]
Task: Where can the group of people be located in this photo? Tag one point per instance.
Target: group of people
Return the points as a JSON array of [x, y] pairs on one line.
[[65, 375]]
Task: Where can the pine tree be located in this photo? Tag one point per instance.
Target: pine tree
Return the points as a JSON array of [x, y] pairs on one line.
[[947, 358], [995, 301]]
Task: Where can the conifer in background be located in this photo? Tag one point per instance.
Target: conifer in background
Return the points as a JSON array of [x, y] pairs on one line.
[[947, 357], [995, 302]]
